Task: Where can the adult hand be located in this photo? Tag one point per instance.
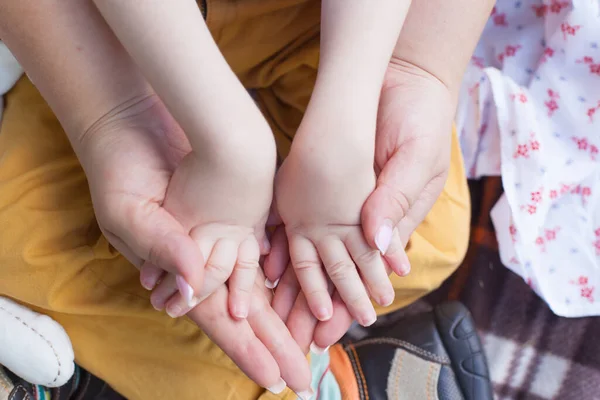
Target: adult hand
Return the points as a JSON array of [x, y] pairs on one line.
[[129, 157]]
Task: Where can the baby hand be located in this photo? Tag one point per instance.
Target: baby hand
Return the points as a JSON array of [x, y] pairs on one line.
[[222, 197], [320, 191]]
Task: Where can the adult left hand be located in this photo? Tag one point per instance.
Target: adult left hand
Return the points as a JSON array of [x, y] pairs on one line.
[[412, 158]]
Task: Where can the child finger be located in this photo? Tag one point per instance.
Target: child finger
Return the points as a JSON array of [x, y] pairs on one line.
[[343, 273], [242, 279], [311, 276], [396, 256], [372, 268]]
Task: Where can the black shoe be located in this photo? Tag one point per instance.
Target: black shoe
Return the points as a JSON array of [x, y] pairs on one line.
[[437, 353], [82, 386]]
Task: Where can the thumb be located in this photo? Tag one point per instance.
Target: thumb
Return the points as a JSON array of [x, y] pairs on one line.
[[399, 184], [158, 238]]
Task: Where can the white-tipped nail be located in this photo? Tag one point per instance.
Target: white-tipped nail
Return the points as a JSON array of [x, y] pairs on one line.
[[174, 311], [185, 289], [306, 394], [316, 349], [278, 387], [270, 284], [383, 237]]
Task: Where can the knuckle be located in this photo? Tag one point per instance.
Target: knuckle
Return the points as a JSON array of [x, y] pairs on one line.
[[247, 264], [368, 258], [306, 265], [218, 269], [339, 270]]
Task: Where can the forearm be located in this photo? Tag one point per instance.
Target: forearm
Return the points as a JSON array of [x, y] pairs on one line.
[[72, 57], [173, 47], [440, 36], [357, 40]]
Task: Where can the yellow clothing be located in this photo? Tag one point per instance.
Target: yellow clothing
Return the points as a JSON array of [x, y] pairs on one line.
[[54, 258]]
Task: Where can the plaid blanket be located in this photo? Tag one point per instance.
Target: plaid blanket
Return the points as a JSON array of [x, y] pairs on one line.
[[532, 353]]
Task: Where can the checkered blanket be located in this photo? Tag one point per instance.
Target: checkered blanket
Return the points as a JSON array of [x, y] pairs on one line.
[[532, 353]]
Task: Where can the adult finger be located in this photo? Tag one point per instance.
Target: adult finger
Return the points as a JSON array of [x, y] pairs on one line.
[[238, 340], [154, 235], [286, 294], [271, 330], [278, 258], [399, 184]]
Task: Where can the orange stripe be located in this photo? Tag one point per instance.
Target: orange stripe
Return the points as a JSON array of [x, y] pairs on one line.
[[360, 372], [341, 368]]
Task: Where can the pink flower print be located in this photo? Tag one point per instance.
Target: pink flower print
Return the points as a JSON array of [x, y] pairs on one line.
[[500, 19], [551, 234], [557, 6], [564, 188], [540, 242], [540, 11], [536, 197], [531, 209], [583, 280], [597, 232], [582, 143], [587, 292], [535, 145], [478, 61], [509, 51], [597, 246], [520, 97], [552, 103], [568, 29], [522, 151], [548, 53], [553, 194], [473, 89]]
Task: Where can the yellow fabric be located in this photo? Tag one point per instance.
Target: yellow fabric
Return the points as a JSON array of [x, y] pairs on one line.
[[54, 258]]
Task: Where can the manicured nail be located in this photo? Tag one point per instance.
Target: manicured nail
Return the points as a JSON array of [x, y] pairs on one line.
[[185, 289], [270, 284], [323, 314], [240, 312], [148, 284], [367, 318], [405, 269], [174, 311], [316, 349], [278, 387], [306, 394], [383, 238], [387, 299]]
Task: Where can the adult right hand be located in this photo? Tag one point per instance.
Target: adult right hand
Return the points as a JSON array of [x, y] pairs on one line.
[[129, 157]]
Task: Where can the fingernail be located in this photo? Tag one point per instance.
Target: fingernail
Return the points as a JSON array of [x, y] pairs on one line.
[[278, 387], [405, 269], [148, 284], [266, 245], [185, 289], [316, 349], [383, 238], [323, 314], [270, 284], [368, 318], [240, 312], [174, 311], [306, 394], [387, 299]]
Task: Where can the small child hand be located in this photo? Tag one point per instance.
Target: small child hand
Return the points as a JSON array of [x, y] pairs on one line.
[[320, 191], [222, 197]]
